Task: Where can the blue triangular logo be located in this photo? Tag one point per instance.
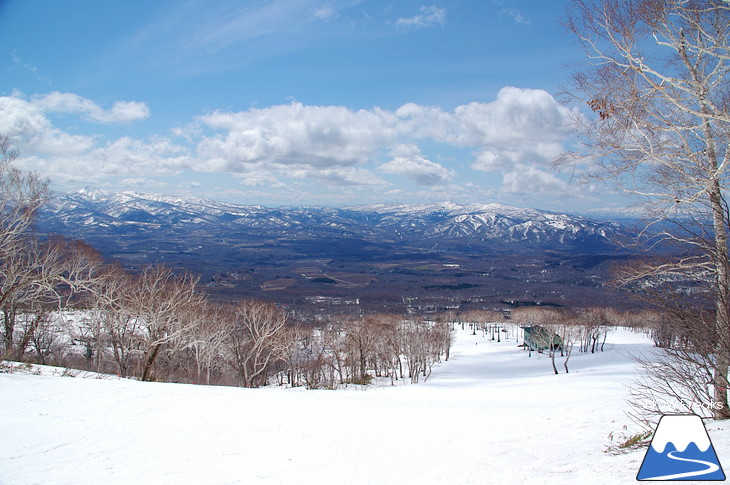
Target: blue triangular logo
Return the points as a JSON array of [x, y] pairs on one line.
[[681, 450]]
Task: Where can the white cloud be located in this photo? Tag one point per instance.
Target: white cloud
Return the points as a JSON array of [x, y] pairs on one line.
[[504, 157], [132, 156], [294, 135], [520, 126], [517, 115], [524, 127], [532, 180], [515, 15], [409, 161], [51, 150], [516, 136], [123, 112], [488, 161], [340, 176], [31, 130], [124, 156], [325, 12], [120, 112], [137, 183], [427, 17], [259, 178]]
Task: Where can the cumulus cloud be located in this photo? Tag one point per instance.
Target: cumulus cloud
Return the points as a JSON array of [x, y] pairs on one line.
[[294, 135], [129, 155], [340, 176], [409, 161], [516, 135], [137, 183], [520, 126], [516, 115], [503, 157], [426, 17], [124, 156], [120, 112], [259, 178], [28, 126], [52, 150], [533, 180]]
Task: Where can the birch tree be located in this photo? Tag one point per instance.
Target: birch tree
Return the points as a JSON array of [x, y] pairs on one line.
[[657, 88], [207, 336], [253, 342], [111, 323], [22, 194], [160, 301]]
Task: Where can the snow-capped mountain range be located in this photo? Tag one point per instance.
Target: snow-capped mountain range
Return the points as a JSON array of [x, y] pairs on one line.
[[97, 212]]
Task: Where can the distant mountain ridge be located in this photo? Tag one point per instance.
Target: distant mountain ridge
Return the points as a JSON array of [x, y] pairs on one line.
[[387, 257], [491, 222], [96, 212]]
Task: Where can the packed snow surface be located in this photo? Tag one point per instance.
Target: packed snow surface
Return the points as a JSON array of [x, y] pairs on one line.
[[490, 415]]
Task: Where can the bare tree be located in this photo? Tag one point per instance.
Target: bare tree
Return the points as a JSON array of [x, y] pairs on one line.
[[390, 345], [332, 353], [22, 194], [569, 333], [45, 338], [253, 340], [360, 341], [677, 378], [418, 349], [111, 322], [38, 276], [657, 84], [160, 301], [34, 275], [210, 328], [293, 353]]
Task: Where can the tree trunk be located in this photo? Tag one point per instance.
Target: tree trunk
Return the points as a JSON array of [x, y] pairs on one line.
[[722, 318], [552, 356], [567, 358], [28, 335], [720, 257], [8, 335], [150, 362]]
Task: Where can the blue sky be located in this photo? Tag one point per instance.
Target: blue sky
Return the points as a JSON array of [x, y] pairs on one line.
[[315, 102]]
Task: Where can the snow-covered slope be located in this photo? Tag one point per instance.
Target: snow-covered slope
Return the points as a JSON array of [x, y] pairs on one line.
[[490, 415]]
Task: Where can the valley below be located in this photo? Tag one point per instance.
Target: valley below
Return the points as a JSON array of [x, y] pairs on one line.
[[429, 258]]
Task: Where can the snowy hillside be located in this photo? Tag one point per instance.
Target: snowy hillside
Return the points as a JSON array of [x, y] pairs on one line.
[[488, 222], [490, 415]]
